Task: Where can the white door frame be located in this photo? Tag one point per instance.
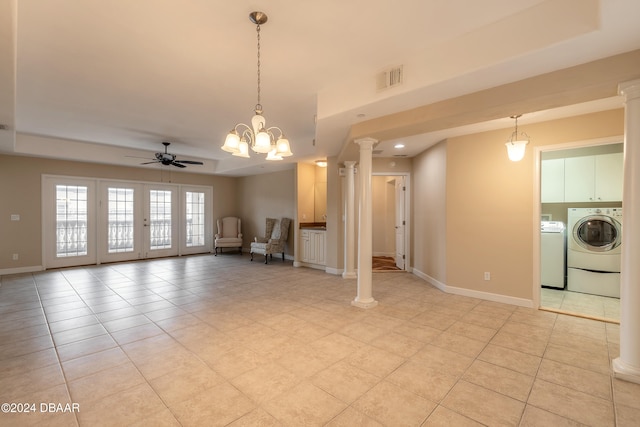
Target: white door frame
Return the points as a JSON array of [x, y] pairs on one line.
[[537, 200], [407, 213]]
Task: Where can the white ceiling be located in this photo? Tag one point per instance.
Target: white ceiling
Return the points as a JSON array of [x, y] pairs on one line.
[[108, 81]]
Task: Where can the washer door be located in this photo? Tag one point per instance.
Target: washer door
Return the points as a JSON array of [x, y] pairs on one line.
[[598, 233]]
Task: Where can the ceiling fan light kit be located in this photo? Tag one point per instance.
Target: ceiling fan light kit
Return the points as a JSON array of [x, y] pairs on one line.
[[258, 137]]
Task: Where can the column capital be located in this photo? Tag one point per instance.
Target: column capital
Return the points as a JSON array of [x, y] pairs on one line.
[[366, 143], [350, 163], [630, 89]]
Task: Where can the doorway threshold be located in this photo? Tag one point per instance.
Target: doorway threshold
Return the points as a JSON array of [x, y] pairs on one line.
[[582, 315]]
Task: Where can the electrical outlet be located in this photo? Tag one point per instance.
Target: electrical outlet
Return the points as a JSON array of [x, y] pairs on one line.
[[15, 257], [487, 275]]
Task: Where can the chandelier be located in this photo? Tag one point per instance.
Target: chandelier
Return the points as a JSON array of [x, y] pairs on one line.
[[264, 140], [517, 143]]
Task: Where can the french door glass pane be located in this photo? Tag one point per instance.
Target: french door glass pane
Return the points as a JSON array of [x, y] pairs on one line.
[[71, 220], [120, 227], [195, 218], [160, 219]]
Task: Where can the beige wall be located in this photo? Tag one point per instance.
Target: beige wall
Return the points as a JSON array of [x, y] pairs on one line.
[[490, 203], [20, 185], [269, 195], [429, 213], [306, 178]]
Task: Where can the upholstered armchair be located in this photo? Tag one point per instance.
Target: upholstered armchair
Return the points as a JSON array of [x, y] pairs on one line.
[[229, 234], [274, 240]]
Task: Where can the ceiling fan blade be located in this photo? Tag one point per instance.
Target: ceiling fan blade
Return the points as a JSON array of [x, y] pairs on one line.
[[148, 163], [190, 162], [178, 165]]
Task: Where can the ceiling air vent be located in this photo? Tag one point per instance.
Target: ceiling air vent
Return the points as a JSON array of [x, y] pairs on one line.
[[389, 78]]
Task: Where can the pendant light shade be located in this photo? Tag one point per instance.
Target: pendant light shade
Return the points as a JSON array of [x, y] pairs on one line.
[[516, 150], [231, 142], [517, 143], [243, 149]]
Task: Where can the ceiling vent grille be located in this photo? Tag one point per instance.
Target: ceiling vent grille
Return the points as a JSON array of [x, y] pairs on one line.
[[389, 78]]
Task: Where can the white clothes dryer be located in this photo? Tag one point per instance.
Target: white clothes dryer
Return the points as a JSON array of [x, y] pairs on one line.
[[594, 239], [552, 254]]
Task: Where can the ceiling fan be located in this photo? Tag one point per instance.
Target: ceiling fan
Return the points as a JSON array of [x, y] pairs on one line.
[[170, 159]]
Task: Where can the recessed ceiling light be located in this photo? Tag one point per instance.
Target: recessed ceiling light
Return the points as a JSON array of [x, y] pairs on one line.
[[321, 163], [399, 145]]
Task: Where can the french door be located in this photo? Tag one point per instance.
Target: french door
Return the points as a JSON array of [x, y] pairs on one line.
[[69, 223], [97, 221], [137, 221]]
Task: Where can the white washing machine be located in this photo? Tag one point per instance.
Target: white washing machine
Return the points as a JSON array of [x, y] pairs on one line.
[[594, 239], [552, 254]]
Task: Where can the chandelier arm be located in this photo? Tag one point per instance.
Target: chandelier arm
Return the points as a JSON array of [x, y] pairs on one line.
[[238, 126], [270, 131], [248, 134]]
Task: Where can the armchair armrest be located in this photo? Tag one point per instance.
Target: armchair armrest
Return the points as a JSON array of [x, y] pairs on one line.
[[261, 240]]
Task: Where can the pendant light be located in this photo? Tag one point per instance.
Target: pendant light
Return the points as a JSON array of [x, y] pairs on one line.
[[258, 137], [517, 143]]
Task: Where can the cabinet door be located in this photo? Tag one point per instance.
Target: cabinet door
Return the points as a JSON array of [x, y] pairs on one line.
[[579, 179], [609, 177], [305, 246], [320, 250], [552, 181]]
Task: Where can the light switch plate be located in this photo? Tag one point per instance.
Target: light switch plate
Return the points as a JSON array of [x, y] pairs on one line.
[[15, 217]]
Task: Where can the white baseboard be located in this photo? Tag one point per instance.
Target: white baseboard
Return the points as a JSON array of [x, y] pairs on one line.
[[19, 270], [387, 254], [488, 296]]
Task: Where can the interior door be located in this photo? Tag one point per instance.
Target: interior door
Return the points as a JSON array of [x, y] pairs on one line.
[[400, 222]]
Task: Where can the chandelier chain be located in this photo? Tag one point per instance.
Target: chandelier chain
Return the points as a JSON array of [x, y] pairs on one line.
[[258, 106]]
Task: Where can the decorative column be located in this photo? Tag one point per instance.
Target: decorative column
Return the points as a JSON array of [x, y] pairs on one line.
[[627, 366], [350, 222], [365, 240]]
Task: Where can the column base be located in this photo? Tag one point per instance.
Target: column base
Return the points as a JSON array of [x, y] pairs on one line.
[[625, 372], [362, 304], [349, 275]]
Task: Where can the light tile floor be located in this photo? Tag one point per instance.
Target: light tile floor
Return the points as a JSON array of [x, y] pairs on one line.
[[206, 340], [579, 303]]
